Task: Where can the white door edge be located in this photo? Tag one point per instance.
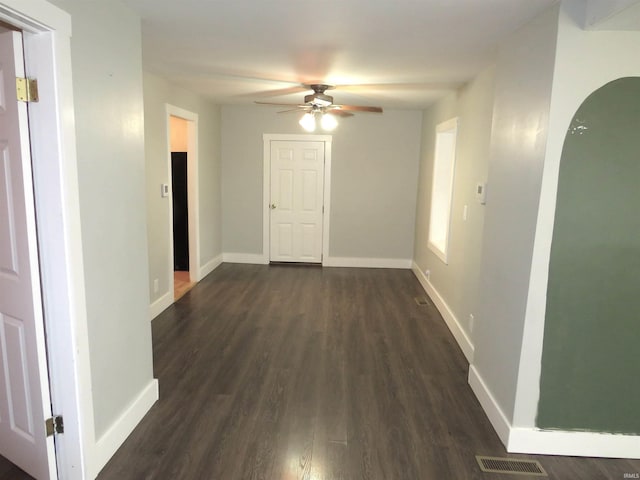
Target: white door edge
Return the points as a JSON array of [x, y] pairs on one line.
[[193, 203], [47, 31], [266, 187]]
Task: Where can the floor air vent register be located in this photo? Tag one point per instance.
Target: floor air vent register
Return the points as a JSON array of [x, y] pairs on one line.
[[511, 466]]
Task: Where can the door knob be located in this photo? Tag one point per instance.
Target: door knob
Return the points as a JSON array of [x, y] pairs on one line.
[[272, 206]]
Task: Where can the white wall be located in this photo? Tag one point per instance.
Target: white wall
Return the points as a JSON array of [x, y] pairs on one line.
[[524, 74], [157, 93], [373, 185], [585, 61], [457, 282], [107, 78]]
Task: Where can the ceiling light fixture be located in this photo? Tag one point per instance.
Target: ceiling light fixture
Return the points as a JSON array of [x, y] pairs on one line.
[[308, 122], [328, 122]]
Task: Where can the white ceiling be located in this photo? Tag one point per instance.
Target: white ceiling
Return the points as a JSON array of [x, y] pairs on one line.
[[392, 53]]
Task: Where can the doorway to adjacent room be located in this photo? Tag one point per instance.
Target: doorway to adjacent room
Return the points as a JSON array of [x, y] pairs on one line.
[[184, 209]]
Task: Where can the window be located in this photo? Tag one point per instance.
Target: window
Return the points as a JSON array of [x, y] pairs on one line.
[[442, 187]]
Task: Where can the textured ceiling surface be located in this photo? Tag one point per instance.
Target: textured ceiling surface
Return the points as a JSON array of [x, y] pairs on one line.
[[392, 53]]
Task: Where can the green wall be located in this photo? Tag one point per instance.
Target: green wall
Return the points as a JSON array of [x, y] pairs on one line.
[[591, 355]]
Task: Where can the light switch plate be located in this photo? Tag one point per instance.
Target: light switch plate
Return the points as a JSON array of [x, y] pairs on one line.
[[164, 189]]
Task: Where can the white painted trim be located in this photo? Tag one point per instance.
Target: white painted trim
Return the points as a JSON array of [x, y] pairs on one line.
[[166, 300], [489, 404], [551, 442], [256, 259], [464, 342], [161, 304], [573, 444], [47, 31], [36, 16], [119, 430], [266, 196], [326, 223], [267, 138], [210, 266], [362, 262]]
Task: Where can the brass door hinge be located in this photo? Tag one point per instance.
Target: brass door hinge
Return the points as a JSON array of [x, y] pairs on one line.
[[27, 89], [54, 425]]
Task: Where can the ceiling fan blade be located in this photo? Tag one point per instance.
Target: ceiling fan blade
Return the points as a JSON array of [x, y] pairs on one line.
[[357, 108], [282, 104], [293, 110], [281, 91], [426, 86], [339, 113]]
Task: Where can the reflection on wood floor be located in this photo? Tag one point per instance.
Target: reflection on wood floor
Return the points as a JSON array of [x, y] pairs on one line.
[[181, 284], [284, 372]]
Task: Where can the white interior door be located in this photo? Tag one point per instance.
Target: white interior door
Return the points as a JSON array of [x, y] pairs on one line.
[[24, 385], [297, 189]]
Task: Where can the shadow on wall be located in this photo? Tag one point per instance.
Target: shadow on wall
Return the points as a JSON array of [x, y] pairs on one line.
[[591, 354]]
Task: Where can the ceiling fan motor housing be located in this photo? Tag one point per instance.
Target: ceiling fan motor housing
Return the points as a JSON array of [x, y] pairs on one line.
[[319, 99]]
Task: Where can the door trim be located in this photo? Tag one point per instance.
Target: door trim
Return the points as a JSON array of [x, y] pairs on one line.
[[47, 33], [266, 187], [192, 193]]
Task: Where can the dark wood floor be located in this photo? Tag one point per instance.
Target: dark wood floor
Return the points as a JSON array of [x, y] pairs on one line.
[[288, 372]]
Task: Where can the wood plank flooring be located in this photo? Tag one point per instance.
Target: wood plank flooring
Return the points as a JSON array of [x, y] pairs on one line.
[[181, 284], [286, 372], [289, 372]]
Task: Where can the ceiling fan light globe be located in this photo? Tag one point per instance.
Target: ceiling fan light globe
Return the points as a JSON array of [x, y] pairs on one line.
[[308, 122], [328, 122]]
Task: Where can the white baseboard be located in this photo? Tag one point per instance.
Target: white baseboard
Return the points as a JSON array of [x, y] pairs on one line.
[[362, 262], [115, 436], [257, 259], [573, 444], [496, 416], [533, 440], [166, 300], [210, 266], [160, 305], [447, 314]]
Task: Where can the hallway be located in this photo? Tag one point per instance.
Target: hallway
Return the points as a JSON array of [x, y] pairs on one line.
[[282, 372]]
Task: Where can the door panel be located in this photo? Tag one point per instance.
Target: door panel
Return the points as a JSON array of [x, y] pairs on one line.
[[284, 240], [309, 240], [8, 253], [24, 388], [12, 338], [284, 190], [297, 190], [309, 190]]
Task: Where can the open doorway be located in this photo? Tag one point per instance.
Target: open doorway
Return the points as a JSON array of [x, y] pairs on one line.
[[182, 282], [183, 168]]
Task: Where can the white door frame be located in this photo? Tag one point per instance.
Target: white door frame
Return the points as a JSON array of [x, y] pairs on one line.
[[192, 192], [266, 188], [47, 32]]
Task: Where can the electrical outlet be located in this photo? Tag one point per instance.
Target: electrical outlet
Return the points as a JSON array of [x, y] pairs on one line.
[[156, 286]]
